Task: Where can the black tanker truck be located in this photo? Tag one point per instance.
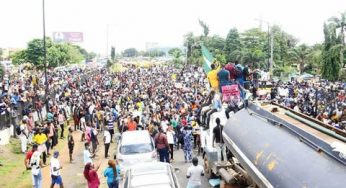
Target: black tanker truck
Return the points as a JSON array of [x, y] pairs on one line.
[[278, 148]]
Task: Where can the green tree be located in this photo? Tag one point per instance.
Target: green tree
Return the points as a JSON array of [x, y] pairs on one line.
[[57, 54], [35, 51], [113, 53], [172, 51], [1, 53], [340, 23], [176, 54], [253, 43], [300, 55], [130, 52], [314, 59], [19, 57], [232, 47], [330, 55]]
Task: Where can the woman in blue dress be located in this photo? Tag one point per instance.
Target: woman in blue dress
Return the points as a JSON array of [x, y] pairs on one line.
[[187, 135]]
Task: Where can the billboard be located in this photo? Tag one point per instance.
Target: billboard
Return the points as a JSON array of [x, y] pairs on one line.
[[72, 37]]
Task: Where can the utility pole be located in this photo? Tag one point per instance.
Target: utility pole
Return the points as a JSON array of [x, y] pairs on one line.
[[45, 54]]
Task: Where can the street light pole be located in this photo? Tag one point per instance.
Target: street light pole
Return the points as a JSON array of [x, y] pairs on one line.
[[45, 53]]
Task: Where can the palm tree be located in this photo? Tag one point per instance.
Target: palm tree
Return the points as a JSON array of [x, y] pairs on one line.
[[340, 23], [299, 55]]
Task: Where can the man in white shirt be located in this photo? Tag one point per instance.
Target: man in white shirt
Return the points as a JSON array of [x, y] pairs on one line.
[[86, 154], [55, 170], [164, 125], [107, 140], [194, 174]]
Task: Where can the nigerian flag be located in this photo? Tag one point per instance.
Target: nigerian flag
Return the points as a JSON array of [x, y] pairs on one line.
[[208, 59]]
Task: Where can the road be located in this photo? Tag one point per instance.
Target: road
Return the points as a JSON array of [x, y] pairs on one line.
[[72, 174]]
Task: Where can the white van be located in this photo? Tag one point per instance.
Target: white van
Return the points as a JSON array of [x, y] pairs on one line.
[[135, 147]]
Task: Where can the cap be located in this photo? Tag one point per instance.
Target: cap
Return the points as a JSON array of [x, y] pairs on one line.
[[56, 154]]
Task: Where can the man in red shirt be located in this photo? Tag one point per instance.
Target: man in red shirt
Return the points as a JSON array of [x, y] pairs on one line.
[[131, 125], [230, 67], [28, 156], [162, 145]]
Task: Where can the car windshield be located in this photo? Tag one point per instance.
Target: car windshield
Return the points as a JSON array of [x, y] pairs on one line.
[[136, 148]]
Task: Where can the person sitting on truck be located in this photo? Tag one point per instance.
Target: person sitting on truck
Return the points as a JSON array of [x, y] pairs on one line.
[[217, 138], [215, 107]]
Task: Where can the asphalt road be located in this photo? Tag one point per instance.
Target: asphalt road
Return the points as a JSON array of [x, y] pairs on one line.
[[72, 174]]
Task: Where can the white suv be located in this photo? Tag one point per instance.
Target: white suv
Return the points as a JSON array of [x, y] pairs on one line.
[[135, 147]]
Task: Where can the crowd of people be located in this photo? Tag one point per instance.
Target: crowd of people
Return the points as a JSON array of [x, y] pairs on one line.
[[161, 99], [321, 100]]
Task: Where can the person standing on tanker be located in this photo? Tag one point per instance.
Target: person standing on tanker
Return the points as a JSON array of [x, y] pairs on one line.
[[223, 77], [212, 78]]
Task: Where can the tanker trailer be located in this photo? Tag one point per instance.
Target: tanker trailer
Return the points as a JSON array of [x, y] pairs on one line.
[[275, 153]]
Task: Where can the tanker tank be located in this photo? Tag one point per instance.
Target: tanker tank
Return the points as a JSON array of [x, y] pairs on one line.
[[276, 155]]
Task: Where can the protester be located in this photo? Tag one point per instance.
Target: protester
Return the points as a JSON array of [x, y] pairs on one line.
[[40, 139], [107, 141], [112, 172], [187, 135], [55, 168], [90, 174], [162, 146], [170, 139], [194, 174], [87, 157], [23, 135], [218, 139], [36, 164], [70, 143]]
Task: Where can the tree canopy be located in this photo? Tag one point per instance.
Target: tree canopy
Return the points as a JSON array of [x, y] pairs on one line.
[[130, 52], [58, 54]]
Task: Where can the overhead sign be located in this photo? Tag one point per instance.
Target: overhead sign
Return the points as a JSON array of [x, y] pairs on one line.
[[68, 37]]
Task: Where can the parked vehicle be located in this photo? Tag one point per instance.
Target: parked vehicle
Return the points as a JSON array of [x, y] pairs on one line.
[[152, 174], [135, 147]]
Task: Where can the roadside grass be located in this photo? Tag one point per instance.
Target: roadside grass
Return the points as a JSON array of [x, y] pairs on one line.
[[13, 173]]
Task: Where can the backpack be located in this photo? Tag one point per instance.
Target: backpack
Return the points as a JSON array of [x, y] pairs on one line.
[[18, 131], [92, 135]]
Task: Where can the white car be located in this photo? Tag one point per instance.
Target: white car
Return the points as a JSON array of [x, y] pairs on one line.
[[151, 175], [135, 147]]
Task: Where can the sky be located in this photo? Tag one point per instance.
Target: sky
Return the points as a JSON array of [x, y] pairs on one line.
[[132, 23]]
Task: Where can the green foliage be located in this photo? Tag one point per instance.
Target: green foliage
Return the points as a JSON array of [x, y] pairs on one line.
[[253, 43], [332, 54], [130, 52], [172, 51], [176, 53], [88, 56], [300, 55], [232, 47], [57, 54], [19, 57]]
